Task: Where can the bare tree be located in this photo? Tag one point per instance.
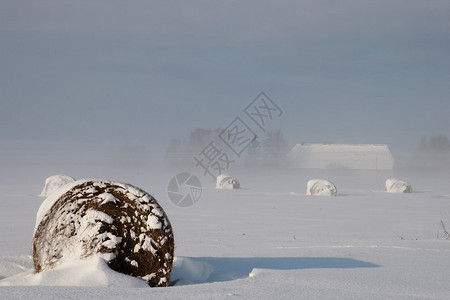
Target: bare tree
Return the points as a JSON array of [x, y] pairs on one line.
[[254, 149], [437, 143], [275, 144], [199, 138], [447, 235]]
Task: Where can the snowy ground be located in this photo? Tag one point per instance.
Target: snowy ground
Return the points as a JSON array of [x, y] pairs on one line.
[[267, 240]]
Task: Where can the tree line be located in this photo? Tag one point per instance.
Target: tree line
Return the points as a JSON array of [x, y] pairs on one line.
[[271, 145]]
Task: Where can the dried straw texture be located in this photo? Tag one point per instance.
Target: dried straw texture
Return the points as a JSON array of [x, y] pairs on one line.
[[118, 222]]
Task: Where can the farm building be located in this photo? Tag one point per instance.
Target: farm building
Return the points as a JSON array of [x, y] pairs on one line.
[[346, 156]]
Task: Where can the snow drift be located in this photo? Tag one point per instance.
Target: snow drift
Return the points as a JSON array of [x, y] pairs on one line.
[[227, 182], [90, 272], [117, 222], [398, 186], [54, 182], [320, 187]]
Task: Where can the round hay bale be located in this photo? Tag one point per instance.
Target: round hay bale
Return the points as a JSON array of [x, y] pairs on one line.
[[118, 222], [227, 182], [397, 186], [54, 182], [320, 187]]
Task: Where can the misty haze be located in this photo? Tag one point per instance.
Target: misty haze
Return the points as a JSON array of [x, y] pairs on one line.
[[299, 149]]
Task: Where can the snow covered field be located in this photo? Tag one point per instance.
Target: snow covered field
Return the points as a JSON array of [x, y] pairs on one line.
[[267, 240]]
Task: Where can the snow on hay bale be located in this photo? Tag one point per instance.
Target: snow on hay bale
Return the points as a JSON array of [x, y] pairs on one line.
[[54, 182], [117, 222], [320, 187], [227, 182], [398, 186]]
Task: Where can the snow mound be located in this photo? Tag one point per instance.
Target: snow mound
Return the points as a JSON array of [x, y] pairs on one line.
[[190, 271], [398, 186], [227, 182], [320, 187], [54, 182], [13, 265], [117, 222], [50, 200], [92, 272]]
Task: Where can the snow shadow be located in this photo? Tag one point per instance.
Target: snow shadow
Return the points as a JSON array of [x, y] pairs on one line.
[[187, 270]]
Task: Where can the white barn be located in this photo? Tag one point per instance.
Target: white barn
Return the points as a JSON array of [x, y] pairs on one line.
[[346, 156]]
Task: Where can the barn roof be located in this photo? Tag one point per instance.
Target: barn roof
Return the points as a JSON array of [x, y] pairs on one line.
[[349, 156]]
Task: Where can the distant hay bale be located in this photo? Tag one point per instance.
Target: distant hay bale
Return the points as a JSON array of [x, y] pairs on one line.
[[320, 187], [54, 182], [227, 182], [118, 222], [398, 186]]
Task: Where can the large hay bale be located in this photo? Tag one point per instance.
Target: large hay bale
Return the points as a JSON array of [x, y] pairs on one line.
[[398, 186], [54, 182], [227, 182], [118, 222], [320, 187]]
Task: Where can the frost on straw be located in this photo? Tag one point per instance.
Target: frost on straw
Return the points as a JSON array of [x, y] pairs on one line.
[[118, 222]]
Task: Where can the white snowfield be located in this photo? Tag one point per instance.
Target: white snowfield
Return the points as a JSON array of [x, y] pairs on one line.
[[54, 182], [227, 182], [320, 187], [398, 186], [268, 241]]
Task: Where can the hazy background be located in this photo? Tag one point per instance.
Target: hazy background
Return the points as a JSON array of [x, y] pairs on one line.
[[132, 75]]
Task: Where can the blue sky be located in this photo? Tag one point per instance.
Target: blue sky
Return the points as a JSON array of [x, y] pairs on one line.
[[344, 72]]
